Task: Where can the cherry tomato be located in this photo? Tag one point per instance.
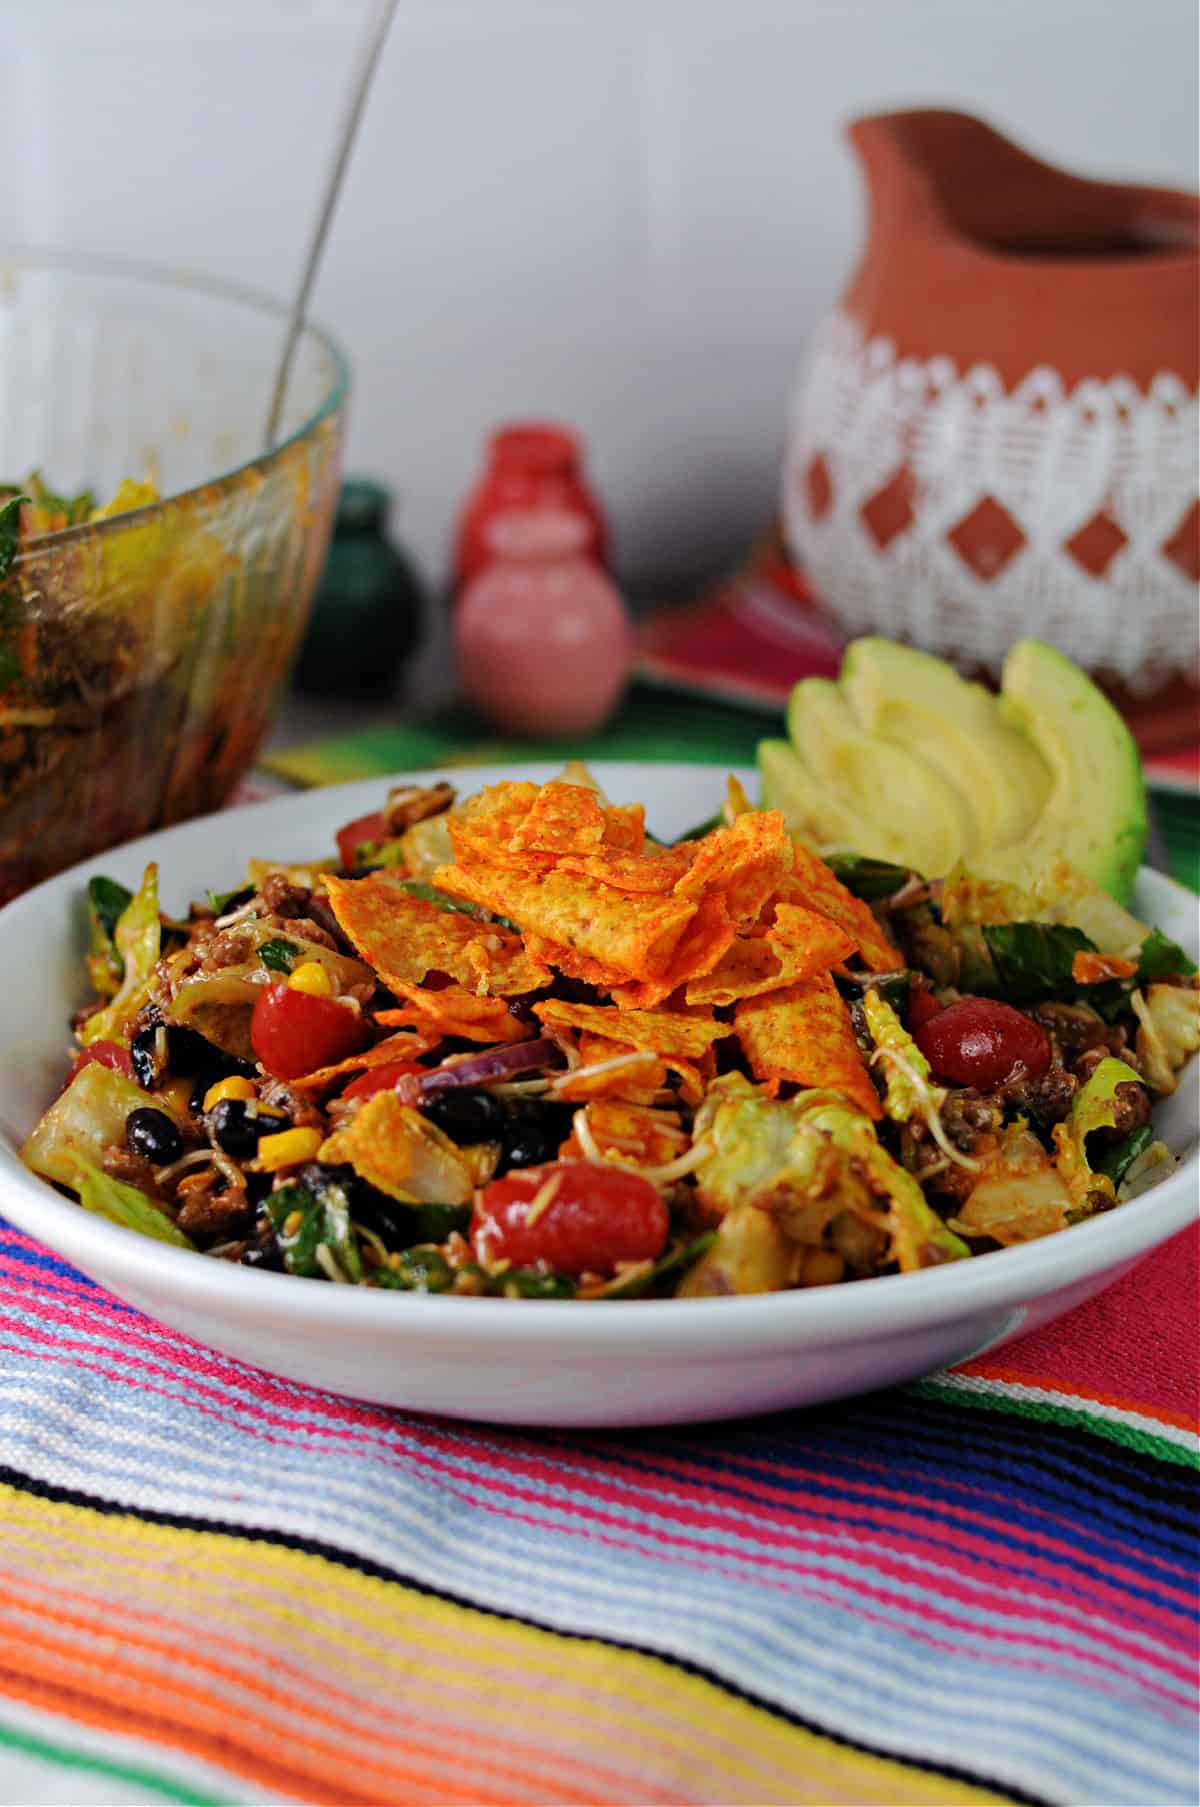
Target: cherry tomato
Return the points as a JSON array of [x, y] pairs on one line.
[[293, 1033], [363, 828], [382, 1078], [103, 1054], [596, 1216], [980, 1042], [921, 1006]]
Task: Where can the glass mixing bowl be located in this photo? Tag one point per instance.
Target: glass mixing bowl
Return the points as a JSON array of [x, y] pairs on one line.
[[142, 657]]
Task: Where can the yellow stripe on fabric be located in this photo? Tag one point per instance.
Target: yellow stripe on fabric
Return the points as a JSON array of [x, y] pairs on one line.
[[622, 1724]]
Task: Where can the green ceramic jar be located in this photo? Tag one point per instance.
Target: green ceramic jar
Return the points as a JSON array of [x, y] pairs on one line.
[[368, 611]]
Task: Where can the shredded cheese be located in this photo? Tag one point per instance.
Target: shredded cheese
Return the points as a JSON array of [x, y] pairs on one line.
[[929, 1107], [325, 1260], [542, 1199], [639, 1057]]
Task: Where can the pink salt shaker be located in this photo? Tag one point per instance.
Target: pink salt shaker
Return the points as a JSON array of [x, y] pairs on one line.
[[542, 638]]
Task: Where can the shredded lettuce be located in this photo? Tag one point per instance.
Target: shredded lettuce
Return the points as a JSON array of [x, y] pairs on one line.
[[1094, 1107], [906, 1068], [127, 1206], [137, 939]]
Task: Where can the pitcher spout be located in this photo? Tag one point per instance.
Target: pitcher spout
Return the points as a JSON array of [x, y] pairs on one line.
[[932, 172]]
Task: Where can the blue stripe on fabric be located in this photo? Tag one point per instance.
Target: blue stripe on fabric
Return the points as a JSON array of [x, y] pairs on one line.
[[1007, 1679], [937, 1516]]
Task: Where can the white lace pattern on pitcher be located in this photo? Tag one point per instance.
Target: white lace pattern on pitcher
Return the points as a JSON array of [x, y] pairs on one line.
[[931, 504]]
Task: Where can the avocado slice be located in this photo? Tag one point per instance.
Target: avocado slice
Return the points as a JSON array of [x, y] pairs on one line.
[[880, 784], [1095, 816], [814, 814], [913, 699]]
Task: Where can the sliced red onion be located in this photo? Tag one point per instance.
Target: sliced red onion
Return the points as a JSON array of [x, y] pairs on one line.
[[483, 1068]]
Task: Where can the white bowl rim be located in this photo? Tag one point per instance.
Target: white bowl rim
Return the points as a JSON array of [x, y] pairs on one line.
[[837, 1314]]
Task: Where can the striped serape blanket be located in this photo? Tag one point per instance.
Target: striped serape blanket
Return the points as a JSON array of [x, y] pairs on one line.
[[219, 1586]]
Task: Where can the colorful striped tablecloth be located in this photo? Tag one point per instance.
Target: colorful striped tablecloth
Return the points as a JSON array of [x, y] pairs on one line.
[[218, 1586]]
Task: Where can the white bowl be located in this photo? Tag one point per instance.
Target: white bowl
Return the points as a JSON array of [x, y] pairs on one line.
[[564, 1363]]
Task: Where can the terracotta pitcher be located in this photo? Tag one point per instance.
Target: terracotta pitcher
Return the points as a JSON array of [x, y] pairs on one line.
[[996, 433]]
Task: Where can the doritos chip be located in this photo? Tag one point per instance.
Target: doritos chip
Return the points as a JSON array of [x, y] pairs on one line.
[[612, 1069], [529, 826], [798, 945], [700, 948], [662, 1031], [483, 826], [626, 937], [803, 1034], [404, 937], [454, 1011], [627, 1133], [658, 869], [407, 1045], [812, 884], [745, 862], [563, 818], [393, 1147]]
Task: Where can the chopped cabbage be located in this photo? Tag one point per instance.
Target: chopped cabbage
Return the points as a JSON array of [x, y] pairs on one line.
[[909, 1093], [1169, 1030], [138, 939]]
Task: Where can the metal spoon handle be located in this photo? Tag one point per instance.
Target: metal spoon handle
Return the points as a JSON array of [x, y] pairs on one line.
[[368, 57]]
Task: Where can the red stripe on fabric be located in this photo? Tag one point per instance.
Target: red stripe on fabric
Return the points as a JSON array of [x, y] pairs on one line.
[[532, 1465], [1134, 1344], [771, 1564]]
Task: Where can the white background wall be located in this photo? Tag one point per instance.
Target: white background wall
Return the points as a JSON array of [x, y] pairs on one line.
[[625, 212]]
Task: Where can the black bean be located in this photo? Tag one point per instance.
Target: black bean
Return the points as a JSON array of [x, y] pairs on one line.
[[533, 1134], [218, 1066], [189, 1052], [235, 1130], [466, 1114], [143, 1056], [263, 1249], [152, 1134]]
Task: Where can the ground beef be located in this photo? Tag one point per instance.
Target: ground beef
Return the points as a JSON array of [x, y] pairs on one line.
[[207, 1215], [1131, 1110], [132, 1169], [1046, 1100], [928, 946], [283, 898], [1075, 1029], [968, 1116], [409, 803], [228, 947]]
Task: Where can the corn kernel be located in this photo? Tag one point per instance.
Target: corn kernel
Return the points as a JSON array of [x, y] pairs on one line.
[[312, 979], [176, 1097], [287, 1149], [233, 1087]]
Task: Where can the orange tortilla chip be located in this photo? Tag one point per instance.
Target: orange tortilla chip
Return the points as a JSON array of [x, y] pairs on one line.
[[528, 826], [404, 937], [661, 1031], [454, 1011], [803, 1034], [811, 884], [799, 944], [407, 1045], [629, 1134], [634, 1074], [625, 937], [563, 818], [483, 826], [745, 862], [659, 869], [700, 948]]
